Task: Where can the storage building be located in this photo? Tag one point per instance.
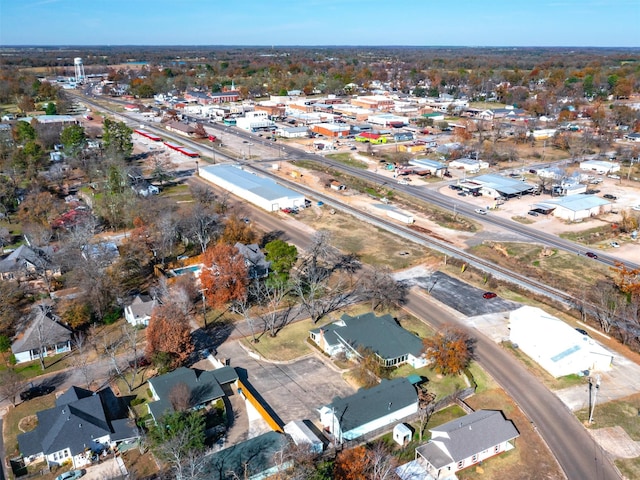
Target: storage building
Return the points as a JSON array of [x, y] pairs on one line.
[[261, 191], [557, 347]]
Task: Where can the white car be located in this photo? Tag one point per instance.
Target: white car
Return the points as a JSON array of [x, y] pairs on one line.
[[481, 211], [615, 244], [636, 208], [403, 182]]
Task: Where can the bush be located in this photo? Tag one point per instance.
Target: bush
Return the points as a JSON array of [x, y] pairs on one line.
[[112, 316], [137, 401]]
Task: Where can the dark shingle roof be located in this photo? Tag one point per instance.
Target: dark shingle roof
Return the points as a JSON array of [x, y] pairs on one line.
[[250, 457], [466, 436], [79, 417], [203, 385], [370, 404], [381, 334]]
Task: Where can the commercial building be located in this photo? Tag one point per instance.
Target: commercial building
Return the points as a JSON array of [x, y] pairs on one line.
[[557, 347], [576, 207], [262, 192], [254, 121]]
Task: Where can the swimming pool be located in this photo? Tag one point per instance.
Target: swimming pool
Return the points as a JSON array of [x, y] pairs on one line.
[[195, 269]]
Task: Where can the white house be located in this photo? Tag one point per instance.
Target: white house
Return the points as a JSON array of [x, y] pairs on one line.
[[555, 346], [392, 344], [369, 409], [81, 424], [43, 333], [138, 312], [461, 443]]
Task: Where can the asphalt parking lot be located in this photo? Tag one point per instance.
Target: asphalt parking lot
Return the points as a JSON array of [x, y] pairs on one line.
[[293, 390], [462, 297]]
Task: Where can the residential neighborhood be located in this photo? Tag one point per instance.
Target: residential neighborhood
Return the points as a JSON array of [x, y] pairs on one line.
[[288, 263]]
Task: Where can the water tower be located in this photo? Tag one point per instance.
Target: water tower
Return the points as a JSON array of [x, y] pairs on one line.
[[79, 69]]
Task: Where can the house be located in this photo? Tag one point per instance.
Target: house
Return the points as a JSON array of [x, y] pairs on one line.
[[254, 259], [463, 442], [43, 334], [26, 262], [554, 345], [205, 387], [258, 458], [81, 424], [138, 312], [469, 164], [392, 344], [370, 409]]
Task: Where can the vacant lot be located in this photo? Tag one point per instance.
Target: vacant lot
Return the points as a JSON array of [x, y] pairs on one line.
[[373, 245], [556, 268]]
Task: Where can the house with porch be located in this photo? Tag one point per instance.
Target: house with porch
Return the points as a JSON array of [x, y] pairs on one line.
[[392, 344], [43, 334], [367, 410], [204, 388], [83, 423], [25, 263], [461, 443]]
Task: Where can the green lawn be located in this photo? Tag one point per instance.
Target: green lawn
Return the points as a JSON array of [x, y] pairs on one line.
[[14, 415], [31, 370], [289, 344]]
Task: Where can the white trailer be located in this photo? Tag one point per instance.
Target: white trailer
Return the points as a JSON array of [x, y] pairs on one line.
[[400, 216]]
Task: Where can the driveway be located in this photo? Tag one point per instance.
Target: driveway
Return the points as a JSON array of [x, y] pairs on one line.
[[293, 390]]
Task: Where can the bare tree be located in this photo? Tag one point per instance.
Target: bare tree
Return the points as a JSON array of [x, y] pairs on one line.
[[382, 462], [81, 357], [180, 397], [606, 301], [200, 226], [11, 384], [276, 312], [379, 287]]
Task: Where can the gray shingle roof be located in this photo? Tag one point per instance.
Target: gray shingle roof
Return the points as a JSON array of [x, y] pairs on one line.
[[367, 405], [382, 334], [467, 436], [42, 327], [203, 385], [79, 417], [250, 457]]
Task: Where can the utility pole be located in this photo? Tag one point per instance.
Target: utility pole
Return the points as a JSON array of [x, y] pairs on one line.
[[595, 394]]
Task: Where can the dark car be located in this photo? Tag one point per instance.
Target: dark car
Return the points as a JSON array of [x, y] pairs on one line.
[[591, 255], [608, 196], [583, 332], [533, 171], [37, 391], [141, 362], [489, 295], [533, 213]]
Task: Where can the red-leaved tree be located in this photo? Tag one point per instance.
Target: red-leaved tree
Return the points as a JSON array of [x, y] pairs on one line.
[[169, 332], [224, 277]]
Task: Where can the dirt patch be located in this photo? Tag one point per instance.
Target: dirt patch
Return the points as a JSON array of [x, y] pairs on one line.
[[616, 441], [28, 423]]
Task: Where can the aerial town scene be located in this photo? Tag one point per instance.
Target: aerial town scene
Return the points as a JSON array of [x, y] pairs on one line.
[[319, 240]]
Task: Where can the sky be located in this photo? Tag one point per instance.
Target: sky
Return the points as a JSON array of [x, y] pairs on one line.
[[563, 23]]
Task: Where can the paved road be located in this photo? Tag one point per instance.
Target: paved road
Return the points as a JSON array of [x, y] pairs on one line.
[[578, 454]]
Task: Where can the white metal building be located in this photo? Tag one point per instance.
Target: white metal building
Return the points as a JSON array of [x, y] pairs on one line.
[[254, 120], [600, 167], [469, 164], [261, 191], [554, 345], [577, 207]]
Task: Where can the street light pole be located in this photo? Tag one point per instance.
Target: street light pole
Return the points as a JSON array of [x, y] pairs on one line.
[[204, 307], [595, 394]]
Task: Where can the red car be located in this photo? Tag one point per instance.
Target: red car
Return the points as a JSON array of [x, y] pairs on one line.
[[489, 295]]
